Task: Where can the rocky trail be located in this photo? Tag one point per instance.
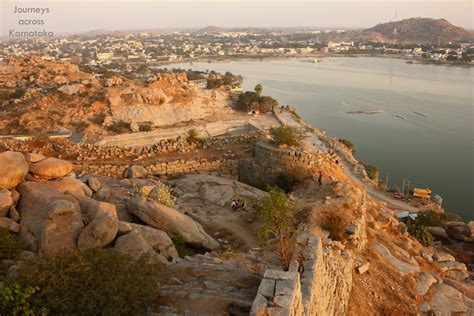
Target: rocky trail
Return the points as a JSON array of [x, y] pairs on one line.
[[205, 285], [318, 144]]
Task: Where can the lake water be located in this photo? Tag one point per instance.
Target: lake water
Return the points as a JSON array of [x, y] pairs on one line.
[[436, 151]]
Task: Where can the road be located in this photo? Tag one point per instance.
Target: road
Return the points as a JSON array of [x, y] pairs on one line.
[[378, 195]]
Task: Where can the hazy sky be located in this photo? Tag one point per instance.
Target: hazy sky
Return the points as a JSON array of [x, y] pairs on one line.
[[78, 16]]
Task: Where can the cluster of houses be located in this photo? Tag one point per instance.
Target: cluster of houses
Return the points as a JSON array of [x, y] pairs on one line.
[[177, 46]]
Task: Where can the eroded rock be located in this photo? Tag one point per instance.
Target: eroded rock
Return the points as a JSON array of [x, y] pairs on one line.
[[51, 168], [170, 220], [13, 169]]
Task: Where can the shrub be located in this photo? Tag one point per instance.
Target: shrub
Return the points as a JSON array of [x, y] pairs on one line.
[[192, 135], [98, 118], [286, 135], [334, 225], [162, 194], [92, 282], [18, 93], [348, 144], [432, 218], [144, 127], [372, 171], [285, 182], [421, 233], [279, 224], [119, 127], [9, 248], [81, 125], [16, 300]]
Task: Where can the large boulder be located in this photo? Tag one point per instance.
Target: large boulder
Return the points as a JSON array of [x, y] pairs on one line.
[[91, 209], [6, 202], [31, 157], [50, 221], [134, 245], [100, 232], [51, 168], [135, 172], [158, 240], [459, 231], [13, 168], [447, 301], [73, 186], [171, 221], [9, 224]]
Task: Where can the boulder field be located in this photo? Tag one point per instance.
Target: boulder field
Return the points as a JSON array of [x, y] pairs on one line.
[[51, 210]]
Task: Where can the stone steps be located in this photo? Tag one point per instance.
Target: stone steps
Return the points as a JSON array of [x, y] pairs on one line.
[[211, 280]]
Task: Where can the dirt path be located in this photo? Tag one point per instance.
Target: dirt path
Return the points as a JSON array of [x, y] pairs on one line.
[[376, 194]]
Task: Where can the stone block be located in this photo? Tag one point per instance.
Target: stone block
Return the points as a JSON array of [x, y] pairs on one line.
[[285, 287], [267, 287]]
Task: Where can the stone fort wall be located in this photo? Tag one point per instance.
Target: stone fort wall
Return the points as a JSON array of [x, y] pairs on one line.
[[319, 283]]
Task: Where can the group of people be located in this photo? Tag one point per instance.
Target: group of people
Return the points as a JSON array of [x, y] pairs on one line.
[[237, 204]]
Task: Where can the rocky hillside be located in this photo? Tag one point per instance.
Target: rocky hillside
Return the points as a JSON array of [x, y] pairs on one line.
[[419, 30], [39, 96]]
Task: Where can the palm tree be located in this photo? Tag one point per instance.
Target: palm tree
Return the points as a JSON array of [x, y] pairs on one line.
[[258, 90]]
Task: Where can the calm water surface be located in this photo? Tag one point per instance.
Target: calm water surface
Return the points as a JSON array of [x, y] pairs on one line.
[[435, 151]]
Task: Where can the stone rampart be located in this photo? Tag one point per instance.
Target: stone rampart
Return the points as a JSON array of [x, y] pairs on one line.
[[170, 168], [271, 162], [324, 274], [211, 129]]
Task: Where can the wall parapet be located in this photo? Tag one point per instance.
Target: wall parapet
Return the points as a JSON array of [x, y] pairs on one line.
[[324, 274], [279, 293]]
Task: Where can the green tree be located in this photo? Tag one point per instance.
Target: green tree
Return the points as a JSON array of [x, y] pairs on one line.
[[278, 229], [267, 104], [258, 90], [286, 135]]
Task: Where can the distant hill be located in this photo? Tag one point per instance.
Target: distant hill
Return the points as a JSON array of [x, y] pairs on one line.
[[419, 30]]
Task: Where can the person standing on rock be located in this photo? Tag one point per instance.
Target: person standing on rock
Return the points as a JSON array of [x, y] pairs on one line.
[[320, 178]]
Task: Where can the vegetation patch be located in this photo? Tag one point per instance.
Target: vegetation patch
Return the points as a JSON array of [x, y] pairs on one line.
[[334, 225], [119, 127], [421, 233], [348, 144], [279, 225], [372, 171], [433, 218], [9, 247], [92, 282], [286, 135], [17, 300], [98, 119]]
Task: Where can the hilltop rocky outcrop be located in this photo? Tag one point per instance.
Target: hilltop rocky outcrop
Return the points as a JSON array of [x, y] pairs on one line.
[[420, 30], [52, 211], [48, 97]]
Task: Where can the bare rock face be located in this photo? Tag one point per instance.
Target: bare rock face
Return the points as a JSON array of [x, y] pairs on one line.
[[402, 267], [135, 172], [9, 225], [424, 282], [50, 221], [30, 157], [13, 168], [100, 232], [447, 301], [72, 186], [158, 240], [6, 202], [51, 168], [459, 231], [171, 221], [134, 245], [71, 89], [92, 209]]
